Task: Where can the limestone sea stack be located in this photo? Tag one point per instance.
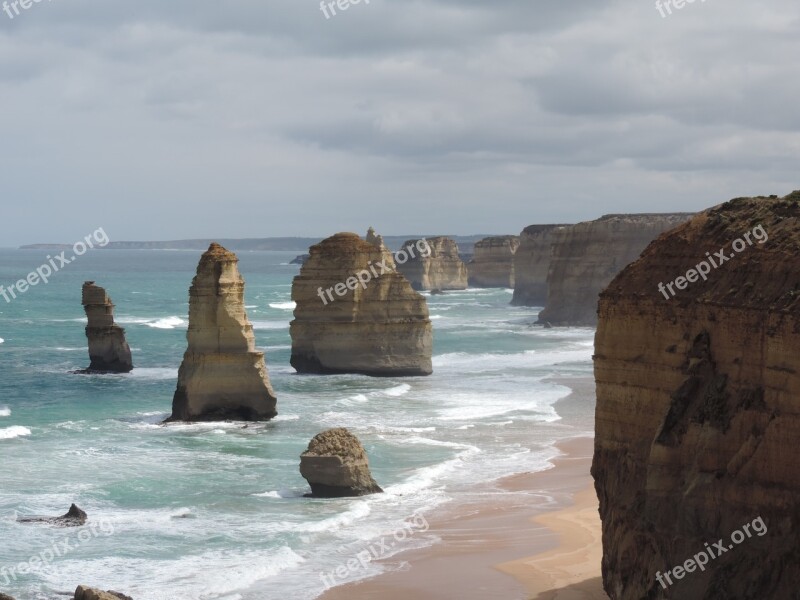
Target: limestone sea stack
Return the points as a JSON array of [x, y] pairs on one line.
[[492, 264], [336, 466], [223, 376], [532, 263], [585, 258], [698, 409], [356, 314], [108, 350], [438, 268]]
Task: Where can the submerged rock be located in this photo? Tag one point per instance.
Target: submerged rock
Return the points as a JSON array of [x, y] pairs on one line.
[[356, 314], [108, 350], [698, 409], [493, 262], [87, 593], [75, 517], [336, 466], [432, 263], [222, 376]]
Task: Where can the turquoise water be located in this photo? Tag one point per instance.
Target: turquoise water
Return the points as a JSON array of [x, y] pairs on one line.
[[216, 510]]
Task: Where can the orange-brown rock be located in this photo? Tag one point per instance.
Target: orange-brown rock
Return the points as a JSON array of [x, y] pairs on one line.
[[356, 314], [108, 350], [222, 376], [698, 409], [531, 265], [492, 264], [586, 256], [438, 267], [336, 466]]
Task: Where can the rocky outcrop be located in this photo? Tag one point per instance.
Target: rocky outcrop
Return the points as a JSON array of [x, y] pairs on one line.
[[586, 256], [432, 264], [300, 259], [532, 263], [87, 593], [74, 517], [108, 350], [697, 409], [336, 466], [493, 262], [356, 314], [222, 376]]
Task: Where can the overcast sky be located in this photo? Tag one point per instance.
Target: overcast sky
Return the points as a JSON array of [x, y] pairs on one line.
[[255, 118]]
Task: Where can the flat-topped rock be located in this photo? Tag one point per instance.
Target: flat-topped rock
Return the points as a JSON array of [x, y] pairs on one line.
[[532, 264], [223, 376], [356, 314], [438, 267], [492, 264]]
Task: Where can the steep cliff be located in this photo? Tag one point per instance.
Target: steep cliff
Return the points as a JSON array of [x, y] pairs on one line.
[[356, 314], [531, 265], [492, 264], [698, 410], [439, 267], [108, 350], [586, 256], [222, 375]]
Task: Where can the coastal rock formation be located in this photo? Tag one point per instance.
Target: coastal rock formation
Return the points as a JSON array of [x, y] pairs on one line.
[[698, 409], [356, 314], [108, 350], [437, 267], [493, 262], [222, 376], [531, 265], [300, 259], [4, 597], [74, 517], [336, 466], [586, 256], [87, 593]]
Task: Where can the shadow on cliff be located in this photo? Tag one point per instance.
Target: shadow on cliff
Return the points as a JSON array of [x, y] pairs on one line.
[[588, 589]]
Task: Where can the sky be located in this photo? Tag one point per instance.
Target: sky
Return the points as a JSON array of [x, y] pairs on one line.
[[257, 118]]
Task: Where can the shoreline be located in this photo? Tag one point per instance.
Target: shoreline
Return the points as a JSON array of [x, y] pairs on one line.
[[541, 540]]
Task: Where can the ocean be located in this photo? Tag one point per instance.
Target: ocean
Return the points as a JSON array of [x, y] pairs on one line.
[[215, 511]]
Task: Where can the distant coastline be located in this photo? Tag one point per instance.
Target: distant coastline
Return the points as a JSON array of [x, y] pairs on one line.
[[287, 244]]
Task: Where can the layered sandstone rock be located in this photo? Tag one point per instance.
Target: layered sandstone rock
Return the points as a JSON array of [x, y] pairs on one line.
[[532, 263], [586, 256], [698, 409], [356, 314], [222, 375], [432, 264], [492, 264], [108, 350], [336, 465]]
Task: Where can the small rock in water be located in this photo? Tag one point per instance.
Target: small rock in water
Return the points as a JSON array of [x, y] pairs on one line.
[[336, 466], [75, 517], [87, 593]]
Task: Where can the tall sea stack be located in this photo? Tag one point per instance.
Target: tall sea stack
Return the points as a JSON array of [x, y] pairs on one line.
[[108, 350], [698, 409], [585, 258], [356, 314], [532, 263], [492, 264], [439, 268], [222, 376]]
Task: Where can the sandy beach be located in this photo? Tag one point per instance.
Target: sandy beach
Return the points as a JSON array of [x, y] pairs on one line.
[[544, 544]]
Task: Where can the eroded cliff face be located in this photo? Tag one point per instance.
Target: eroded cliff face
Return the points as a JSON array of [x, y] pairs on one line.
[[492, 264], [356, 314], [439, 269], [222, 376], [586, 256], [698, 409], [532, 263], [108, 350]]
